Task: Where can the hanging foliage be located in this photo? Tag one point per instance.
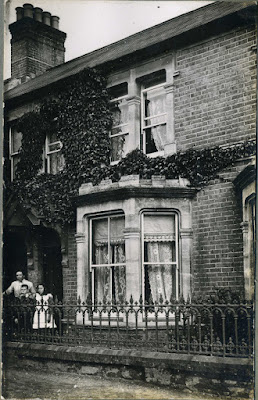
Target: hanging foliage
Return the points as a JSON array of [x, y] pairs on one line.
[[78, 112]]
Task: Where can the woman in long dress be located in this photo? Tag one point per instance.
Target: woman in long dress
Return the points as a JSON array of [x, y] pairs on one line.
[[43, 317]]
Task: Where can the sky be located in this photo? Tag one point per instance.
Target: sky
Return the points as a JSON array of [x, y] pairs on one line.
[[91, 24]]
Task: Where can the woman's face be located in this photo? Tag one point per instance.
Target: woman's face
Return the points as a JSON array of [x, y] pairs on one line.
[[41, 289]]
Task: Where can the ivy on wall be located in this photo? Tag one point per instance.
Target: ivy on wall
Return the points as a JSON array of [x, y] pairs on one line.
[[77, 110]]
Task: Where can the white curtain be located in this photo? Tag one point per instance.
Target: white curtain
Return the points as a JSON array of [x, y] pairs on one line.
[[103, 275], [159, 237], [157, 105], [160, 276], [119, 272]]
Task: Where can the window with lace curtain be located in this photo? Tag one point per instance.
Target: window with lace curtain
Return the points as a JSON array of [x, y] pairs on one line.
[[107, 255], [160, 256], [15, 142], [153, 116], [120, 129]]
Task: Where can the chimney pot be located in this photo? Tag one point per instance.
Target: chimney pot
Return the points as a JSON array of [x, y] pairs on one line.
[[38, 14], [19, 13], [46, 17], [55, 22], [28, 10]]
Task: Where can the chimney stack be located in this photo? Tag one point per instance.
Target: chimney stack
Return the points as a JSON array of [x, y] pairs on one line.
[[37, 44]]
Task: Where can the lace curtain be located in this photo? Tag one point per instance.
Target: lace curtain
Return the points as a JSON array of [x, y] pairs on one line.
[[159, 237], [56, 162], [160, 276], [120, 125], [156, 104], [106, 276]]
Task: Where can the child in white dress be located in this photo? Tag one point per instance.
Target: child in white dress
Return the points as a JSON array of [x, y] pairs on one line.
[[43, 317]]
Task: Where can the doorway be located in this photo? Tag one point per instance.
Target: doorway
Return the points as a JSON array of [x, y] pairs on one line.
[[14, 256], [52, 263]]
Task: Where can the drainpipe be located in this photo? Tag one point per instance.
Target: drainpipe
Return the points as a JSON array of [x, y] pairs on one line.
[[256, 224]]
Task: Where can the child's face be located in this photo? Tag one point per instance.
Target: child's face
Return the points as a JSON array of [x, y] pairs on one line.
[[24, 291], [41, 289]]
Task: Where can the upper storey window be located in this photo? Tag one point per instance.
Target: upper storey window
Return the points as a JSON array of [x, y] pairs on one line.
[[54, 156], [154, 116], [120, 128], [15, 146]]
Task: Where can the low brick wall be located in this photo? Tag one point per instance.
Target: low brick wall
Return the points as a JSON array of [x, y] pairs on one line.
[[232, 377]]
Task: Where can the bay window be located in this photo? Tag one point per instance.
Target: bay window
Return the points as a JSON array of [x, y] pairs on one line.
[[108, 258], [160, 256], [120, 128], [15, 142]]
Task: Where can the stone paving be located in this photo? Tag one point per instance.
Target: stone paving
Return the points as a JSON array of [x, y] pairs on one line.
[[30, 385]]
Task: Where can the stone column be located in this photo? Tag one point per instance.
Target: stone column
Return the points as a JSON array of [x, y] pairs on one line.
[[133, 263], [132, 250], [186, 246], [170, 144], [246, 260], [82, 283], [134, 103]]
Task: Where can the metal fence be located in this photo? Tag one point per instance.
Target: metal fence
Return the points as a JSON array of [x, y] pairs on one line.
[[193, 327]]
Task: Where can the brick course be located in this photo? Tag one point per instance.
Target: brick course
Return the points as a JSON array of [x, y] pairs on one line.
[[215, 92], [217, 235], [70, 272]]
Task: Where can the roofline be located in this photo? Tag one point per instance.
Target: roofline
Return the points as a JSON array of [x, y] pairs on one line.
[[125, 47]]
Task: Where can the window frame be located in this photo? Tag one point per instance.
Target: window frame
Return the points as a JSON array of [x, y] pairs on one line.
[[110, 264], [113, 101], [47, 153], [143, 119], [12, 154], [177, 249]]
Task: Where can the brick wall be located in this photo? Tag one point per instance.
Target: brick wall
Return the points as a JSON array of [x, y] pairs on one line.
[[217, 235], [36, 47], [215, 92], [70, 272]]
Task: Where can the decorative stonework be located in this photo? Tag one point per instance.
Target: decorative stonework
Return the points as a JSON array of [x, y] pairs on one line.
[[156, 181]]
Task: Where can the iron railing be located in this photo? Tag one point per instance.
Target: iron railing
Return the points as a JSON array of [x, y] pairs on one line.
[[193, 327]]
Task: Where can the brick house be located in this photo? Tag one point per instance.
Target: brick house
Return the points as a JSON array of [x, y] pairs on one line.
[[189, 82]]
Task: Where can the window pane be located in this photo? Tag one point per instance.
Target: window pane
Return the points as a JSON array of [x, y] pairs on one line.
[[120, 112], [159, 226], [56, 162], [117, 242], [117, 226], [102, 284], [15, 162], [100, 241], [108, 246], [160, 281], [119, 283], [155, 138], [118, 90], [16, 141], [155, 102], [155, 117], [117, 147], [159, 253], [120, 126]]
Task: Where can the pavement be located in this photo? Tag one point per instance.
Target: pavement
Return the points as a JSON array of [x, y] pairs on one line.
[[32, 385]]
